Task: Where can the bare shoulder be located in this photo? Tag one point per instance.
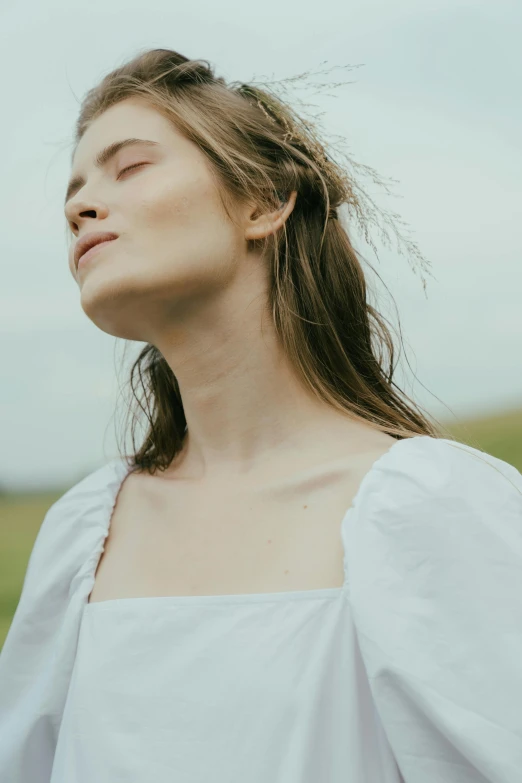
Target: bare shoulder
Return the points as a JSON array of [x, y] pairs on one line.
[[136, 488], [356, 460]]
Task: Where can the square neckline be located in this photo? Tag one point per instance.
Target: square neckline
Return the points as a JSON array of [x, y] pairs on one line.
[[320, 593]]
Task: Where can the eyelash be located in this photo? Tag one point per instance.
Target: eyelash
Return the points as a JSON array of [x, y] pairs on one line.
[[135, 165]]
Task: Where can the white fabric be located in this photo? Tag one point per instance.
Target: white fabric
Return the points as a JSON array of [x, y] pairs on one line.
[[413, 668]]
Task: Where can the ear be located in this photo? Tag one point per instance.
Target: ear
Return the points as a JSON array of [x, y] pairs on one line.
[[260, 226]]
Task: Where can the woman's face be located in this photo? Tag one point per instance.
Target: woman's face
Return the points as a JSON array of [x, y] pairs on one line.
[[176, 248]]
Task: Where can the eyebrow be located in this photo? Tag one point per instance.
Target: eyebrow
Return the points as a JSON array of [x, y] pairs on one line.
[[102, 158]]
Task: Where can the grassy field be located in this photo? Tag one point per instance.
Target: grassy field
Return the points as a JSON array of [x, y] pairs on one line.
[[22, 515]]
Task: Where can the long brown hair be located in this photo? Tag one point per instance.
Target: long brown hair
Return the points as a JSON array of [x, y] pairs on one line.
[[258, 147]]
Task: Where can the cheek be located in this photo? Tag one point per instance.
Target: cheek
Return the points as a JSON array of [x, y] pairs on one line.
[[184, 202], [169, 187], [184, 227]]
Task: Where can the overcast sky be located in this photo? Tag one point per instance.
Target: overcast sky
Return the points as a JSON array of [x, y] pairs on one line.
[[434, 104]]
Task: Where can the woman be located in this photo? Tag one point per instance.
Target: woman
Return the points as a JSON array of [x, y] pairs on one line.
[[295, 578]]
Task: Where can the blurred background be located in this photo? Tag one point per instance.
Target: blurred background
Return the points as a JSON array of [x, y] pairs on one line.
[[429, 102]]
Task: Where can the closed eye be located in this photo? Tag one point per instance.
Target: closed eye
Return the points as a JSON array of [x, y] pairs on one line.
[[135, 165]]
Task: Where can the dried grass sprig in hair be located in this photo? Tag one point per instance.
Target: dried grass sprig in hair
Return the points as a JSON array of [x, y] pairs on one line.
[[345, 180]]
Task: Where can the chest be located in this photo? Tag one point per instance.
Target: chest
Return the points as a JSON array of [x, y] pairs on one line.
[[171, 538]]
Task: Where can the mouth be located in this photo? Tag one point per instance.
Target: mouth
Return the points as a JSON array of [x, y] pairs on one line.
[[85, 257], [90, 240]]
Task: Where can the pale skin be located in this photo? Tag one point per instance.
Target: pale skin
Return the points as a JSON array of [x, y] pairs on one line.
[[254, 502]]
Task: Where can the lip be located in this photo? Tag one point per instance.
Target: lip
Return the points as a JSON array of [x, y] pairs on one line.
[[90, 240], [94, 250]]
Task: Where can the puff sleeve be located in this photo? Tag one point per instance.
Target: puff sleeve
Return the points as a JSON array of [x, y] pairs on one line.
[[435, 571], [39, 652]]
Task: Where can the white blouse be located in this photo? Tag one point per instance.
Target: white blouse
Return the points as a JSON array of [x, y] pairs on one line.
[[411, 671]]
